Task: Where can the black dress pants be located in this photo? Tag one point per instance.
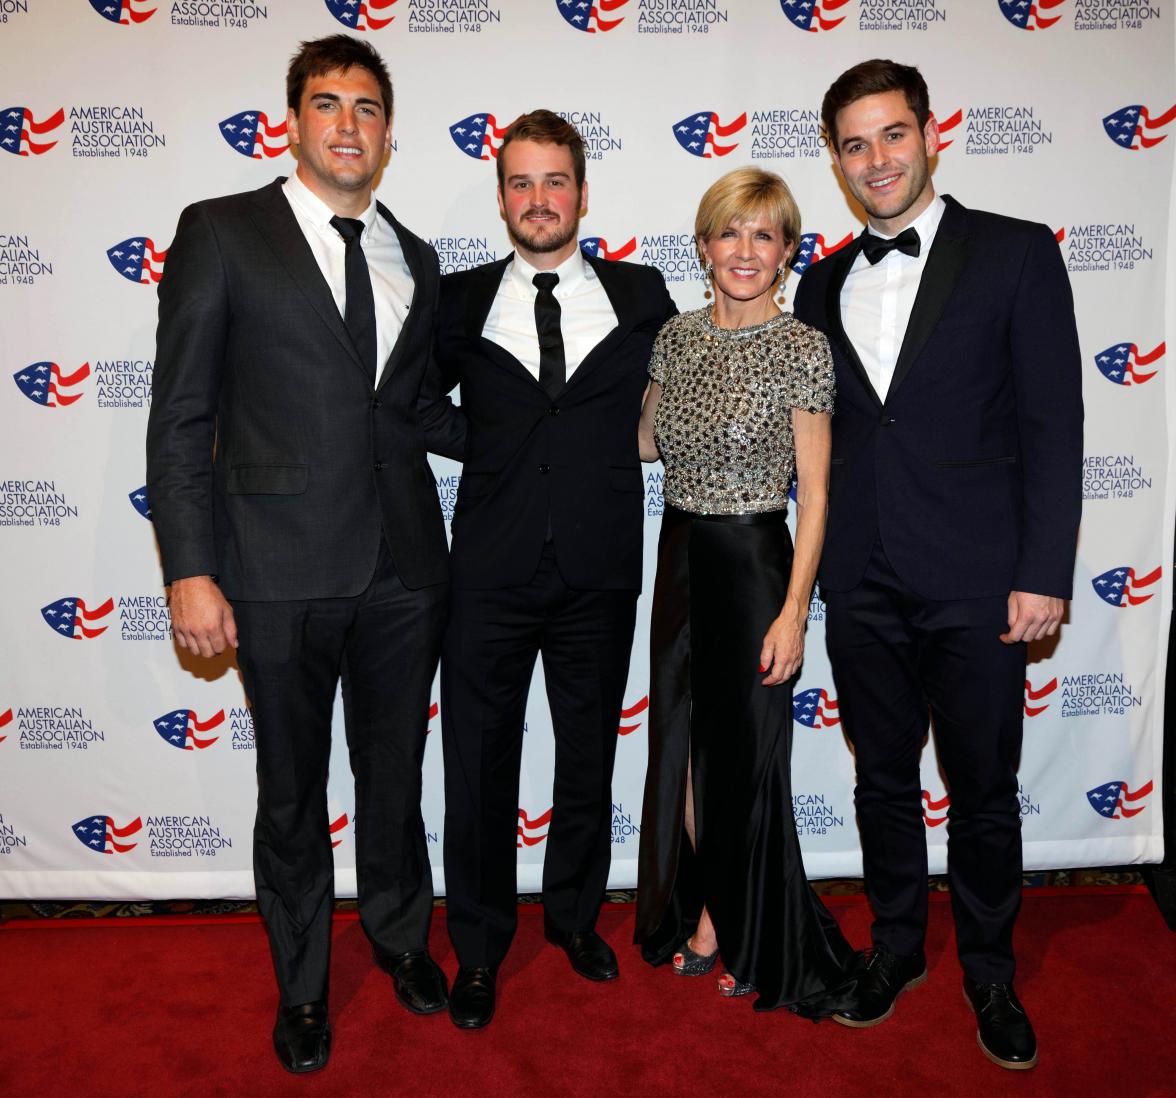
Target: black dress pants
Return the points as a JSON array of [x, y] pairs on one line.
[[897, 659], [383, 645], [488, 657]]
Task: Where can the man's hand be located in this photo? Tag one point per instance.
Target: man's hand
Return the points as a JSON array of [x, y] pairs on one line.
[[1032, 617], [202, 619]]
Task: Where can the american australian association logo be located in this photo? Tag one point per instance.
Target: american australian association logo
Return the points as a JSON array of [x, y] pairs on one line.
[[1104, 246], [21, 263], [55, 728], [24, 134], [35, 502]]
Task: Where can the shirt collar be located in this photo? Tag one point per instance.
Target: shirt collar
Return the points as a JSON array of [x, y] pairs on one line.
[[318, 213], [925, 224], [572, 275]]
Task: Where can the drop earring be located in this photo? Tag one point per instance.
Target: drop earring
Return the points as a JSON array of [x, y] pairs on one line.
[[707, 271], [780, 272]]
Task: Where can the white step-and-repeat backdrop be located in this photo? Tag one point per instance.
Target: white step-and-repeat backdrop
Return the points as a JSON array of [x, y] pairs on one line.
[[127, 769]]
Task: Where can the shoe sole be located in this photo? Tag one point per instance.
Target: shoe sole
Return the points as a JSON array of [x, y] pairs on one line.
[[867, 1023], [420, 1010], [1009, 1065], [471, 1025]]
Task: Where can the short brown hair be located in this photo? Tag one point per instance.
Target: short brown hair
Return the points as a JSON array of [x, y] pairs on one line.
[[547, 128], [875, 77], [743, 194], [336, 53]]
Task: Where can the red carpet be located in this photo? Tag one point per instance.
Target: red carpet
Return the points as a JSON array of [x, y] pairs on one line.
[[170, 1008]]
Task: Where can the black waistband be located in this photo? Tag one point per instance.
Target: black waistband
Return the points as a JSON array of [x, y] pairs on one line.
[[760, 518]]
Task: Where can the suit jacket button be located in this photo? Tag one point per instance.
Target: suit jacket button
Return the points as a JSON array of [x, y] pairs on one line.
[[375, 402], [545, 469], [886, 421], [379, 466], [553, 411]]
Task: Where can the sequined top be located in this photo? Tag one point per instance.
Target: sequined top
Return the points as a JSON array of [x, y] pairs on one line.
[[723, 424]]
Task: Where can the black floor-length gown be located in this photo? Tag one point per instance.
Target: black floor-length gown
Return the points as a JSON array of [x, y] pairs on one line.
[[721, 580]]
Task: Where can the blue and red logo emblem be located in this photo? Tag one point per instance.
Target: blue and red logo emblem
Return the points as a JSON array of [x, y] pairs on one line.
[[1036, 694], [478, 136], [137, 260], [809, 15], [1124, 365], [361, 15], [5, 721], [935, 812], [1121, 587], [71, 617], [141, 503], [1133, 128], [1112, 800], [124, 12], [44, 384], [184, 730], [531, 832], [336, 828], [812, 249], [101, 834], [19, 128], [250, 134], [589, 16], [634, 710], [699, 134], [598, 248], [1033, 15], [815, 709]]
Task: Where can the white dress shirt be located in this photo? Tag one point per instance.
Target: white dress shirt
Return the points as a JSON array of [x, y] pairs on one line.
[[392, 282], [877, 299], [586, 314]]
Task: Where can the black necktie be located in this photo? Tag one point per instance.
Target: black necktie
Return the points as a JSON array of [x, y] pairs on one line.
[[552, 367], [360, 316], [875, 247]]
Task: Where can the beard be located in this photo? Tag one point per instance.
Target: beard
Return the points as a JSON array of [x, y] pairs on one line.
[[542, 238]]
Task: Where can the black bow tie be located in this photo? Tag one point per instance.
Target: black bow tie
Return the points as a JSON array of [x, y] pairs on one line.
[[875, 247]]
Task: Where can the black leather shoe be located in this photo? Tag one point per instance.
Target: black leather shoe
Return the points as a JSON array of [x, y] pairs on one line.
[[417, 980], [302, 1037], [1003, 1030], [471, 1001], [882, 978], [590, 954]]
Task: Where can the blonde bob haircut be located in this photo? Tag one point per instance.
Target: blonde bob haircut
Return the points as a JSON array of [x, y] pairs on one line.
[[743, 194]]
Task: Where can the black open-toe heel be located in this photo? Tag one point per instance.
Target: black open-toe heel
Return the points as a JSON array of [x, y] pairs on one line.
[[694, 964], [737, 989]]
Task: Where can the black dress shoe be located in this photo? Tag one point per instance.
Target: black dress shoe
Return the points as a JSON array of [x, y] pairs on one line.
[[882, 978], [590, 954], [471, 1002], [1003, 1030], [302, 1037], [417, 980]]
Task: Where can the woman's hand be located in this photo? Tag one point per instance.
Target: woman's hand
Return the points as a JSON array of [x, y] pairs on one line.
[[783, 649]]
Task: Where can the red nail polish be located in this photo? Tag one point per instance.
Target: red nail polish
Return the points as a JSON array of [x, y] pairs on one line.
[[762, 669]]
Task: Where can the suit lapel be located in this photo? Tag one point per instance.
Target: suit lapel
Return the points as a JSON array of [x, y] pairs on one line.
[[841, 262], [945, 261], [484, 283], [623, 306], [412, 257], [280, 230]]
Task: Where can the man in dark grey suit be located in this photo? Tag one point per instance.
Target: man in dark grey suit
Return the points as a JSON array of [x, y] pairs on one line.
[[298, 520]]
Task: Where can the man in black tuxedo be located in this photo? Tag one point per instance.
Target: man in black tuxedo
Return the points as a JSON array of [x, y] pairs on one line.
[[298, 520], [551, 348], [954, 503]]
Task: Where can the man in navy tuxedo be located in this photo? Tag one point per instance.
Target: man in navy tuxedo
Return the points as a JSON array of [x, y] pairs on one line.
[[954, 504]]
